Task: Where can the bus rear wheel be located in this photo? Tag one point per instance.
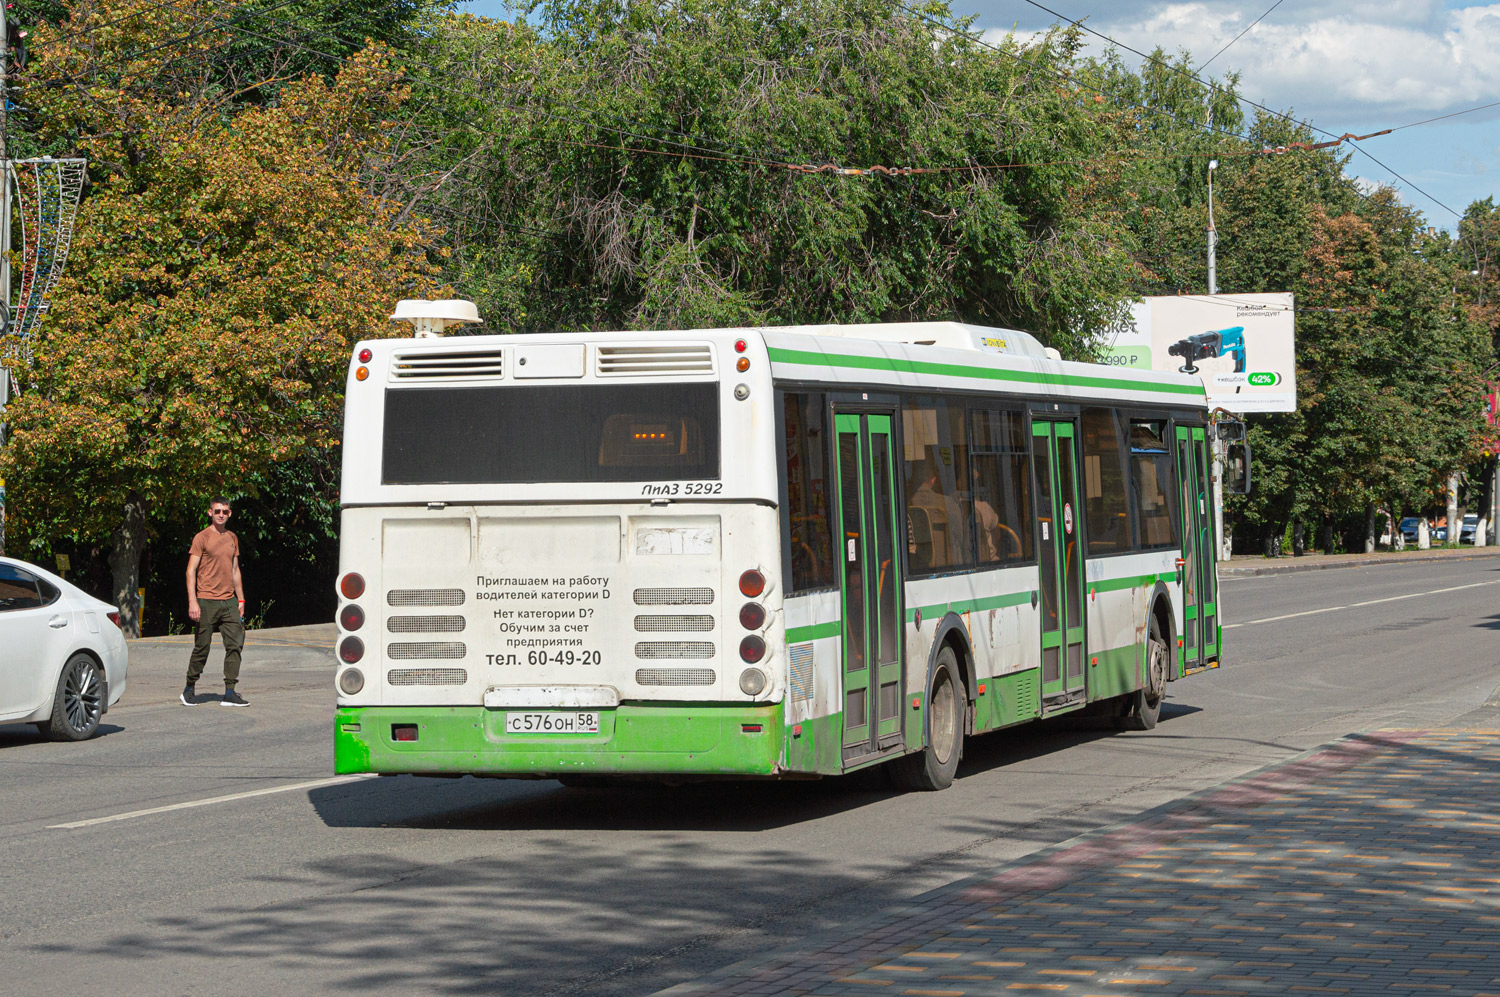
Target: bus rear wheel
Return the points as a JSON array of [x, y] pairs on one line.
[[934, 766], [1143, 707]]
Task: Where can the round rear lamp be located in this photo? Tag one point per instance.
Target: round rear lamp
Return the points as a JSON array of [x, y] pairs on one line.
[[752, 583], [752, 681], [351, 617], [740, 346], [360, 373], [742, 364], [752, 616], [352, 586], [752, 649], [351, 681], [365, 355], [351, 649]]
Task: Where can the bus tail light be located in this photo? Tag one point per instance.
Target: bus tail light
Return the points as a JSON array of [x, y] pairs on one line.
[[752, 583], [352, 585], [403, 732], [752, 616], [352, 681], [752, 681], [752, 649], [351, 617], [351, 649]]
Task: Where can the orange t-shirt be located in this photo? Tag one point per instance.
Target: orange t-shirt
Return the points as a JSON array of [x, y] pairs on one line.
[[216, 553]]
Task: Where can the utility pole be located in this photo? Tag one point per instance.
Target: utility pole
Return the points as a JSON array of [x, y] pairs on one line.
[[1226, 543]]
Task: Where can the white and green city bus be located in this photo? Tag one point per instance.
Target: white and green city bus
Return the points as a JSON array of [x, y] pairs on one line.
[[758, 552]]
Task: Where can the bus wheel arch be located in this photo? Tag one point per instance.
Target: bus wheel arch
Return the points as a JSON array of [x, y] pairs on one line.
[[952, 633]]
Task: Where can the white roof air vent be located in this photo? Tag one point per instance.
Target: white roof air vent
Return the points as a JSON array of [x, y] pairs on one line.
[[688, 358], [449, 364], [431, 318]]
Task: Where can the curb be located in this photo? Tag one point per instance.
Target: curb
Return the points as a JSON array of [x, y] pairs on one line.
[[1321, 563]]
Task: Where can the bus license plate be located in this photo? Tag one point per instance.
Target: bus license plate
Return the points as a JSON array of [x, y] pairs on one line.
[[552, 723]]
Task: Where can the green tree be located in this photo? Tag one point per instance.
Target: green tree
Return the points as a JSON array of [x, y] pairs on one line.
[[223, 264]]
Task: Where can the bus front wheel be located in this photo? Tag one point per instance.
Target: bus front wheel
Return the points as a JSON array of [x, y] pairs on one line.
[[934, 766], [1144, 705]]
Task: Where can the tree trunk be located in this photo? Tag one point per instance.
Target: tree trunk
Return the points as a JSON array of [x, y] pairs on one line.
[[1454, 524], [129, 543], [1325, 536], [1370, 536], [1299, 538]]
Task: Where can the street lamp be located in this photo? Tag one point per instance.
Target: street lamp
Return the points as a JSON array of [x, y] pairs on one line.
[[1213, 237]]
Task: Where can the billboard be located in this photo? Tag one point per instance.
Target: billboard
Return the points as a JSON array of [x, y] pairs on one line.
[[1241, 345]]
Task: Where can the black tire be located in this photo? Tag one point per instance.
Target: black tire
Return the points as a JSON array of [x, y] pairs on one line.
[[1143, 707], [78, 702], [933, 767]]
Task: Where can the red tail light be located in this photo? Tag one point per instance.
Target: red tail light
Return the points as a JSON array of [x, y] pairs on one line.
[[353, 586], [403, 732], [752, 649], [752, 615], [752, 583], [114, 618], [351, 617], [351, 649]]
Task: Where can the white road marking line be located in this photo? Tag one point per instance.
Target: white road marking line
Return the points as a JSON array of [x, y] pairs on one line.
[[314, 784], [1356, 605]]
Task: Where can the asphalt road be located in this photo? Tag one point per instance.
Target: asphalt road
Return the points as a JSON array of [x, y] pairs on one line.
[[457, 886]]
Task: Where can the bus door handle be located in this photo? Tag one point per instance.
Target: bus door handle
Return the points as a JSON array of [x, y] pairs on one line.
[[1181, 567], [853, 550]]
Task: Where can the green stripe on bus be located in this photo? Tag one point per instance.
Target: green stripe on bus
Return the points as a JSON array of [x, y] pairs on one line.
[[808, 358], [1135, 581], [817, 631], [970, 606]]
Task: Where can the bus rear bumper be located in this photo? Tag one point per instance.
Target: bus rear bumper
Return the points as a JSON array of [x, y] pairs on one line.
[[633, 739]]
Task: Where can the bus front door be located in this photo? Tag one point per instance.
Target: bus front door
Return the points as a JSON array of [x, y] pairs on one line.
[[1060, 561], [871, 584], [1200, 632]]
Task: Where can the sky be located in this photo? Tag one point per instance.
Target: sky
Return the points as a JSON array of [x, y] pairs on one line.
[[1355, 66]]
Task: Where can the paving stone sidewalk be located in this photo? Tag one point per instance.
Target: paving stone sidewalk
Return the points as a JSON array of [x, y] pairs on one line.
[[1369, 866]]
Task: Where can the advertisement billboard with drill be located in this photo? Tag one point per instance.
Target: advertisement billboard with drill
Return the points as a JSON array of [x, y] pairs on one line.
[[1242, 345]]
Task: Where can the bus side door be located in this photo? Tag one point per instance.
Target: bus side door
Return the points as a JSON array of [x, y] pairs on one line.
[[871, 582], [1200, 632], [1060, 560]]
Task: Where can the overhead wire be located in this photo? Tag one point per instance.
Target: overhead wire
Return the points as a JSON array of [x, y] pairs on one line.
[[1280, 114], [1242, 34]]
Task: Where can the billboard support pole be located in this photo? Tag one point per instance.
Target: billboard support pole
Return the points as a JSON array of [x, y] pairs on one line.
[[1226, 542]]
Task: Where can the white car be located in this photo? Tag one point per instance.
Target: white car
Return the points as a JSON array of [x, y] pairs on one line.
[[62, 655]]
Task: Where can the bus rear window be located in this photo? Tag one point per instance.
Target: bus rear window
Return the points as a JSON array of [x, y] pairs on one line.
[[543, 433]]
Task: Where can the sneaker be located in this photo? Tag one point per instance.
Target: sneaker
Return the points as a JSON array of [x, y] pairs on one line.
[[188, 697], [232, 698]]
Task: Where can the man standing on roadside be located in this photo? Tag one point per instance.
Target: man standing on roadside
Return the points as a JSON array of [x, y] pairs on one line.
[[216, 601]]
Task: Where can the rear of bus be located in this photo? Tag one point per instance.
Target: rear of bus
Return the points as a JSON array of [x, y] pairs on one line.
[[559, 556]]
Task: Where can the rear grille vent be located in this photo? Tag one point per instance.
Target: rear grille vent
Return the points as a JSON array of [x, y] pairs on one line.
[[674, 597], [424, 597], [424, 624], [648, 624], [449, 365], [626, 360], [675, 676], [426, 650], [674, 649], [802, 659], [427, 676]]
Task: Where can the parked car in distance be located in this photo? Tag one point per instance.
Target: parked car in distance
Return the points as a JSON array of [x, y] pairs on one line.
[[1466, 531], [63, 657], [1438, 533], [1409, 529]]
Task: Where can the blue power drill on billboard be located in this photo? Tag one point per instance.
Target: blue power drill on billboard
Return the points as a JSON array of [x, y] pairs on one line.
[[1228, 342]]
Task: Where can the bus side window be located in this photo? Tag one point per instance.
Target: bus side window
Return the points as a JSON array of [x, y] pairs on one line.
[[1151, 477], [806, 462], [1001, 485], [1106, 505], [937, 483]]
